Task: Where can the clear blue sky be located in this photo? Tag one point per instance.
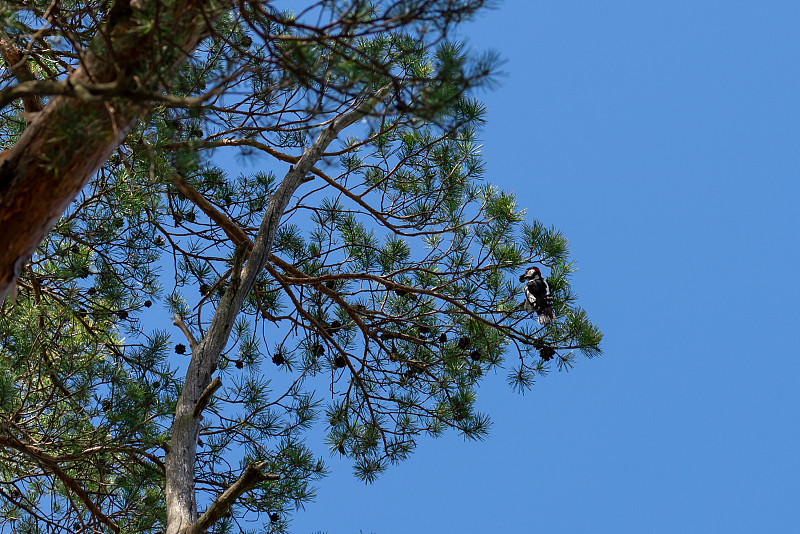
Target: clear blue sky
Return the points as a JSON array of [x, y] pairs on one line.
[[662, 138]]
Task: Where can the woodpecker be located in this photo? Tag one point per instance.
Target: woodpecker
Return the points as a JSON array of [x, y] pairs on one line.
[[538, 296]]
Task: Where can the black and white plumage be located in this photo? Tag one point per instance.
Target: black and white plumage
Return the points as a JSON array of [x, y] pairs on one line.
[[538, 296]]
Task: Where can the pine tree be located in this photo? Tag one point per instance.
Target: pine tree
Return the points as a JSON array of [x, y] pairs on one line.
[[365, 258]]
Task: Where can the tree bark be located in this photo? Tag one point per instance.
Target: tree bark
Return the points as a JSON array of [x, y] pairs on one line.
[[68, 141], [16, 61], [180, 461]]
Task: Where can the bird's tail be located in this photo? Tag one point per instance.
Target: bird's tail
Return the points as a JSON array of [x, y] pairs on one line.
[[547, 316]]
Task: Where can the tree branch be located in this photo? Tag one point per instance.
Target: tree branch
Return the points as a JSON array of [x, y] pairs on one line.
[[18, 64], [65, 143], [231, 229], [180, 463], [98, 92], [49, 463], [252, 475], [205, 398], [177, 320]]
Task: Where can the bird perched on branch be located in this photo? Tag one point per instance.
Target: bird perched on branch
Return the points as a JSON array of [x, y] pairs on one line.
[[538, 296]]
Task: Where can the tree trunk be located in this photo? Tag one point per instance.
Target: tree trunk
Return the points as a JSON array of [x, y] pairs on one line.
[[180, 460], [67, 142]]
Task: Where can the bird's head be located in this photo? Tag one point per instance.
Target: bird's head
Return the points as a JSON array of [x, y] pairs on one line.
[[530, 274]]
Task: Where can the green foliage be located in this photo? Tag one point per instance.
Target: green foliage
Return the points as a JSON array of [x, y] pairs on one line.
[[391, 291]]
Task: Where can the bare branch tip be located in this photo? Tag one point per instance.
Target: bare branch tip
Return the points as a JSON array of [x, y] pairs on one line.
[[177, 320]]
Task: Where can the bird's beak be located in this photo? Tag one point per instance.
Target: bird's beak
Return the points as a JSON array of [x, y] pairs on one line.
[[522, 278]]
